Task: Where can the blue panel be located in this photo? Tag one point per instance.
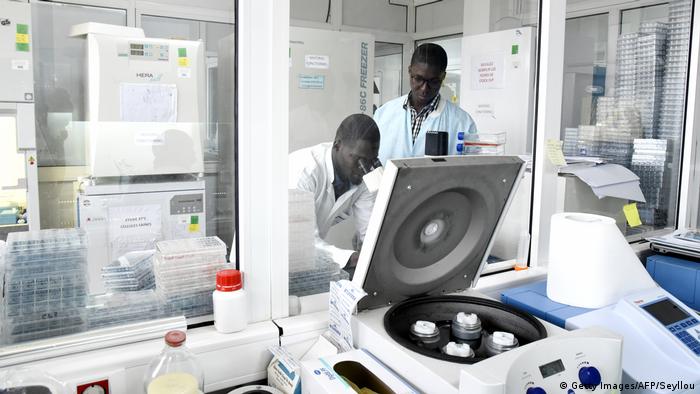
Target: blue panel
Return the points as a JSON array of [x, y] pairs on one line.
[[539, 287], [696, 305], [560, 315], [530, 302], [532, 298], [678, 277], [651, 265]]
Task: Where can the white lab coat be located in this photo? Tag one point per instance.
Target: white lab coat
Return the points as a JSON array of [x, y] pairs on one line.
[[395, 128], [311, 169]]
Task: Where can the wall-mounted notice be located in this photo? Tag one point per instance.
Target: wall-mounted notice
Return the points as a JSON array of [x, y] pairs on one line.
[[317, 61], [144, 102], [312, 81], [485, 109], [487, 71]]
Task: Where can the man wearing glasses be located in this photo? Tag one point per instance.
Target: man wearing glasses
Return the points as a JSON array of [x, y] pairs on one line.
[[333, 173], [404, 121]]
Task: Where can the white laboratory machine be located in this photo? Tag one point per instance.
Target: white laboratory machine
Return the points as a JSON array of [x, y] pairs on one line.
[[612, 281], [145, 102], [607, 286], [430, 233], [661, 350], [121, 218], [18, 160]]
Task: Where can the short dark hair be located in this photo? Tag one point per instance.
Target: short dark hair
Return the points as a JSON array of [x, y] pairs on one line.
[[430, 54], [357, 127]]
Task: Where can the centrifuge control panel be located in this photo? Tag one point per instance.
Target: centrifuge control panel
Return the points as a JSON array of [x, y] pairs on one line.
[[568, 363], [677, 321]]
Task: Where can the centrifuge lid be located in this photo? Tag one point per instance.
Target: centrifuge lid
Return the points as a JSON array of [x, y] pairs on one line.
[[433, 225]]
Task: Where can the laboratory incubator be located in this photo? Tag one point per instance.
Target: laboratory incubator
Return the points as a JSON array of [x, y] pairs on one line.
[[145, 102]]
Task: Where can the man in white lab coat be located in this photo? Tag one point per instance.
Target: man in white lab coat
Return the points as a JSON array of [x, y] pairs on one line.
[[404, 121], [333, 172]]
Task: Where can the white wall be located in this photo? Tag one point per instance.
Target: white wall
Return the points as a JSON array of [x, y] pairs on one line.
[[309, 10], [375, 14], [439, 15]]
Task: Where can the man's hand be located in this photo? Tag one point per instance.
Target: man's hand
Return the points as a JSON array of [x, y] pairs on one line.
[[352, 261], [351, 264]]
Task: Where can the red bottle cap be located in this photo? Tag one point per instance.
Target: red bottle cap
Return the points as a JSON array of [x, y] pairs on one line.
[[175, 338], [228, 280]]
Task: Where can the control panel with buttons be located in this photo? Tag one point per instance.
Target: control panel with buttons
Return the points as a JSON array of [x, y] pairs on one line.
[[574, 362]]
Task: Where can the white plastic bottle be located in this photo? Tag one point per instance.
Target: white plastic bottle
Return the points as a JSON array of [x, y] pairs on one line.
[[230, 305]]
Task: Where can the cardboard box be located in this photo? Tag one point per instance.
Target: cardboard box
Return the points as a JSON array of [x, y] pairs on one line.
[[283, 372], [359, 367]]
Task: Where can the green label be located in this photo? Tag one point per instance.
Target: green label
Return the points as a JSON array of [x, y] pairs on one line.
[[22, 29], [182, 52], [514, 49], [194, 219], [22, 47]]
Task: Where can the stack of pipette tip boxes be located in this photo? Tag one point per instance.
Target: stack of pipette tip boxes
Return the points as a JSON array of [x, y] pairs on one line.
[[112, 309], [185, 272], [131, 272], [302, 218], [310, 271], [317, 279], [46, 284]]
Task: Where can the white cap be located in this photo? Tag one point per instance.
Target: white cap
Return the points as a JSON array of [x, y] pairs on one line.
[[467, 319], [424, 327], [458, 349], [503, 338]]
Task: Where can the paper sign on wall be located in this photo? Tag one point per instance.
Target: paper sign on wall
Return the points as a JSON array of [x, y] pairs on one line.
[[485, 109], [487, 71], [317, 61], [312, 81]]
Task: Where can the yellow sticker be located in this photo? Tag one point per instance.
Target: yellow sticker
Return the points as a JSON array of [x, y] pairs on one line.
[[22, 38], [193, 228], [183, 62], [632, 214], [554, 152]]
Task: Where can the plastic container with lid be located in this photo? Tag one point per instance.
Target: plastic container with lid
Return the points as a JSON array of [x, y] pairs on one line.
[[230, 305], [175, 370]]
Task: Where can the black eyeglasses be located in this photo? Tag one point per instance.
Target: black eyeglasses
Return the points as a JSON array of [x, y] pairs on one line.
[[433, 83]]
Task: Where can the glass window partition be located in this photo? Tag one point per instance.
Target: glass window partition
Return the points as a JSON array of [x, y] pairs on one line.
[[13, 178], [60, 91], [138, 214], [388, 72], [330, 205], [497, 87], [627, 108]]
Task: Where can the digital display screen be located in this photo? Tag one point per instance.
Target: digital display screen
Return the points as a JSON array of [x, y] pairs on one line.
[[666, 312], [552, 368], [136, 46], [137, 53]]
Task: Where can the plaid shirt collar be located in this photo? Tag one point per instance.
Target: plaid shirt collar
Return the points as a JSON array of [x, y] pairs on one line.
[[417, 118]]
